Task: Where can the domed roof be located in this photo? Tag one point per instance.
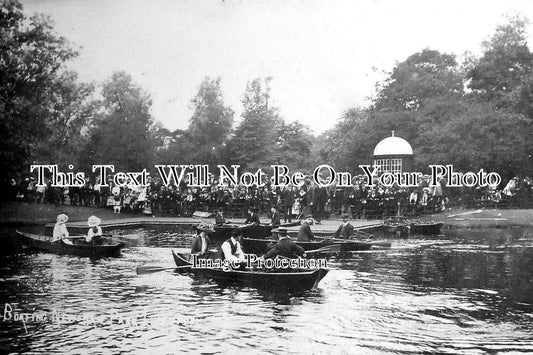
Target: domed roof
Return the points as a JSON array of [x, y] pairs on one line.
[[393, 146]]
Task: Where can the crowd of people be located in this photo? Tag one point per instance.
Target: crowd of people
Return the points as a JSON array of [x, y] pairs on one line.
[[358, 201]]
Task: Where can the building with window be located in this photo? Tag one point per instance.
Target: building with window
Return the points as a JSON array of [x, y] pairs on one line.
[[393, 154]]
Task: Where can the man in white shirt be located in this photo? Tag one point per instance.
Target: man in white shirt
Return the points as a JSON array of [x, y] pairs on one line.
[[231, 248]]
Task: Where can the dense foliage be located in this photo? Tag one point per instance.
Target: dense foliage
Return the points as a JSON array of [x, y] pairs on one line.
[[474, 114]]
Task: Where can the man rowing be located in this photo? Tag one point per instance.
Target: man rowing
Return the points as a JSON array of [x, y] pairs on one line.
[[252, 218], [345, 230], [285, 247], [231, 248], [275, 219], [304, 233], [220, 219]]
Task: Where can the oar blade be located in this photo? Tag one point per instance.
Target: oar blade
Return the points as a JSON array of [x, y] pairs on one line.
[[380, 244], [333, 248], [141, 270]]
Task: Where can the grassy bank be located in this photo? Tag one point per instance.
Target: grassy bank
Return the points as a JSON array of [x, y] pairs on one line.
[[476, 218], [16, 213]]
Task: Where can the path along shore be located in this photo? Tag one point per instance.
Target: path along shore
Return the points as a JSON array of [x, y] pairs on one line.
[[22, 214]]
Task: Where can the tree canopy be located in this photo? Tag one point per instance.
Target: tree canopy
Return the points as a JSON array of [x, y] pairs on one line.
[[475, 114], [32, 57]]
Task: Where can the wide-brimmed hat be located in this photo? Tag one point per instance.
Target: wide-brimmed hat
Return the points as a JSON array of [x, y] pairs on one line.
[[62, 218], [309, 216], [93, 221], [205, 227]]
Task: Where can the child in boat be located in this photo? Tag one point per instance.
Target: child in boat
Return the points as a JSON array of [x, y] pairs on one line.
[[60, 229], [95, 231]]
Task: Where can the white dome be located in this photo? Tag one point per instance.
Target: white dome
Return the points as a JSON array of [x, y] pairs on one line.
[[393, 146]]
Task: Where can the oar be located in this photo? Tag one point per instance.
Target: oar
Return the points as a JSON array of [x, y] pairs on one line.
[[326, 249], [141, 270], [84, 236], [380, 244]]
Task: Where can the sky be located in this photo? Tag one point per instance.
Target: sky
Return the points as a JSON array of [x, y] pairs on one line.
[[324, 56]]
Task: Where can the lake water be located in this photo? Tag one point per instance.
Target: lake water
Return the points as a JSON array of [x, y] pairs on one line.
[[468, 291]]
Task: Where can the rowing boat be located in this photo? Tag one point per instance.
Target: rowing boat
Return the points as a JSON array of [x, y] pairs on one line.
[[429, 228], [260, 231], [42, 242], [261, 246], [277, 280]]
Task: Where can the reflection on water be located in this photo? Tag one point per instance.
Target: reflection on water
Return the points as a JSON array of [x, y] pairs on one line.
[[464, 292]]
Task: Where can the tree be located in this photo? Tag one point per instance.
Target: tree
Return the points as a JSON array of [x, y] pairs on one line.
[[31, 58], [122, 134], [423, 75], [255, 139], [211, 123], [294, 145], [346, 145], [71, 111], [480, 136], [506, 62]]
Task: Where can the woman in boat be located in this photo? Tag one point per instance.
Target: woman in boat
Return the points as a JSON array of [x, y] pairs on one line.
[[60, 229], [94, 234], [201, 243]]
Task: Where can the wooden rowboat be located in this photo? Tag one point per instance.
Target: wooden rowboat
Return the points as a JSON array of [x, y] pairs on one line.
[[261, 231], [261, 246], [42, 242], [277, 280], [429, 228]]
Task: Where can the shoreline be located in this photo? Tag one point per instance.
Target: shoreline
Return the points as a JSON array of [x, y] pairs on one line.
[[13, 214]]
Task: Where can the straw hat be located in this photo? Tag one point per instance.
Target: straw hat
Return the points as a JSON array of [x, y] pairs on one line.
[[93, 221], [62, 218]]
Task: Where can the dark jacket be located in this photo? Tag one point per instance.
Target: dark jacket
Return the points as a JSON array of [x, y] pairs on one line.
[[305, 234], [196, 246], [253, 218], [275, 219], [285, 247], [344, 231], [219, 219]]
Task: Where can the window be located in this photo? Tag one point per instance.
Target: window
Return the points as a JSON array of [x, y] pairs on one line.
[[388, 165], [396, 166]]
